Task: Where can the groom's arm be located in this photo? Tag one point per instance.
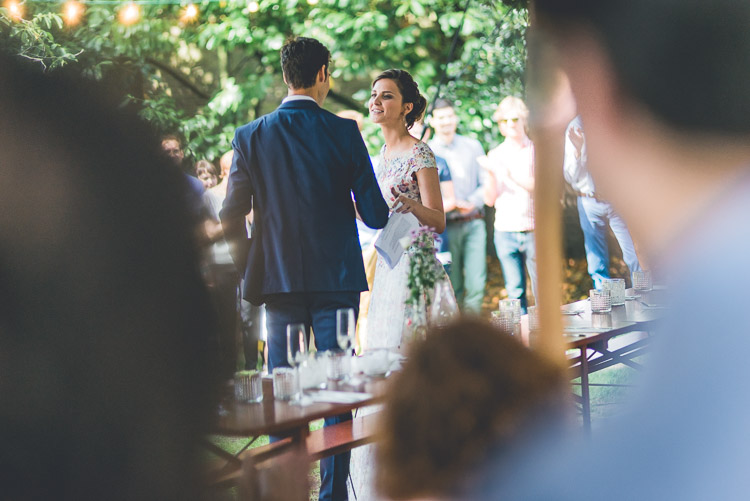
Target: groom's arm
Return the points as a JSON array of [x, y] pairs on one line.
[[368, 200]]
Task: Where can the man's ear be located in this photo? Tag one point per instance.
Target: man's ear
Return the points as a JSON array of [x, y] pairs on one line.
[[322, 73]]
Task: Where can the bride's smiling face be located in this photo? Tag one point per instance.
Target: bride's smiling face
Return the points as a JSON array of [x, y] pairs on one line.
[[386, 103]]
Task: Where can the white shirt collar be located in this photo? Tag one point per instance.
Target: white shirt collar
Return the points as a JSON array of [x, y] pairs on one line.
[[298, 97]]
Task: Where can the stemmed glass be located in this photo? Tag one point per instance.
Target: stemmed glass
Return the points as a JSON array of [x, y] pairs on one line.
[[296, 353], [346, 326]]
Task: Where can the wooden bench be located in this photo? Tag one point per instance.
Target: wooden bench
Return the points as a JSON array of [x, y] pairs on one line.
[[321, 443]]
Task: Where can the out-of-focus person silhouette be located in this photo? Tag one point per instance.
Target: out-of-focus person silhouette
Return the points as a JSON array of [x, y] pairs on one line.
[[594, 214], [661, 86], [466, 393], [250, 314], [221, 275], [171, 146], [105, 385], [465, 228], [206, 172]]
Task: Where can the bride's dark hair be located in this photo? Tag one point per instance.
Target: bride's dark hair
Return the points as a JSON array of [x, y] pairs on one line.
[[409, 91]]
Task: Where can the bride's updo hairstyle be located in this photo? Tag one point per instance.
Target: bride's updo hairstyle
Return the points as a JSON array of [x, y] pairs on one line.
[[409, 92]]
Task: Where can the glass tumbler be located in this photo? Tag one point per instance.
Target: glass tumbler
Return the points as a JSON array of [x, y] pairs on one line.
[[642, 280], [284, 383], [616, 288], [248, 386], [601, 301], [533, 318]]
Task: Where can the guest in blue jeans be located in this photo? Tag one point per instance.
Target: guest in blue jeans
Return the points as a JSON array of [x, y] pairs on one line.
[[510, 167], [594, 213]]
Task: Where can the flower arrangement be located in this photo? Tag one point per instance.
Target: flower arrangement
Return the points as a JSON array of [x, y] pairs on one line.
[[424, 270]]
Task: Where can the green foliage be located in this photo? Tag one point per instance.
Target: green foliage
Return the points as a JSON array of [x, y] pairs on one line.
[[204, 79]]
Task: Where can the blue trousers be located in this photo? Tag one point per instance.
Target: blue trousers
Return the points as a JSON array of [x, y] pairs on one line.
[[595, 216], [516, 249], [467, 242], [316, 310]]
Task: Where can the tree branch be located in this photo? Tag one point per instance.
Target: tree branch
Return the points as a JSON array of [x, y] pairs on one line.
[[345, 100], [179, 77]]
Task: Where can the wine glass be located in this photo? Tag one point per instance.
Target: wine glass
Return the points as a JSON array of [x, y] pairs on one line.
[[296, 352], [346, 326]]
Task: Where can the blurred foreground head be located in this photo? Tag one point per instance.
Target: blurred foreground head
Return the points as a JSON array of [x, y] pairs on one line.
[[661, 86], [682, 61], [104, 383], [468, 393]]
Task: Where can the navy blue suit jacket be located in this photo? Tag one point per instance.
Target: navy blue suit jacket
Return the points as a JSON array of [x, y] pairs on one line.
[[297, 167]]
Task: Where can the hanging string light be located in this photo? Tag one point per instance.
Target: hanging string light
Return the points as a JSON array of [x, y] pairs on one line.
[[130, 14], [253, 6], [15, 9], [72, 12], [189, 13]]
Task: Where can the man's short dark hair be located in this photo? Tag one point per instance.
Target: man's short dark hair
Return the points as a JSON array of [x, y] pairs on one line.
[[442, 103], [686, 61], [301, 59]]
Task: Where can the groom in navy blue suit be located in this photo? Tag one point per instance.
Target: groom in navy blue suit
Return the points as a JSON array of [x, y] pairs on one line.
[[297, 169]]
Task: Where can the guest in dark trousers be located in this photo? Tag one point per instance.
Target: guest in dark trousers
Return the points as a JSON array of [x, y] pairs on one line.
[[303, 170]]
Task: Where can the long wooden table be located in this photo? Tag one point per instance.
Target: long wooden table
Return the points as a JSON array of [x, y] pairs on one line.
[[590, 335], [282, 419]]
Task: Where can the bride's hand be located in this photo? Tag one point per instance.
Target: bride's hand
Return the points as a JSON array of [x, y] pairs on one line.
[[402, 204]]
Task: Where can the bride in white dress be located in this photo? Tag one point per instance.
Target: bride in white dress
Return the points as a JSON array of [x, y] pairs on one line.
[[408, 178]]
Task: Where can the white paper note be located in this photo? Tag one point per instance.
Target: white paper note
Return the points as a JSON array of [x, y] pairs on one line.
[[388, 243]]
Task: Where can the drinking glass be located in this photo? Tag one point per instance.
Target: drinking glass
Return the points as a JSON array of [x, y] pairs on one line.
[[512, 305], [346, 326], [601, 301], [506, 321], [616, 288], [642, 281], [533, 318], [296, 352]]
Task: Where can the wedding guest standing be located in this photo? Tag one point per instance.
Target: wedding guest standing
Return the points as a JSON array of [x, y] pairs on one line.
[[594, 213], [510, 189], [465, 227], [298, 169]]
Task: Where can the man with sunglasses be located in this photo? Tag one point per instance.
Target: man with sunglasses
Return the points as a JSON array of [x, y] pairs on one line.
[[510, 187]]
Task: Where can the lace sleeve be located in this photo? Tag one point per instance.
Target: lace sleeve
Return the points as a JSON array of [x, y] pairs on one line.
[[423, 158]]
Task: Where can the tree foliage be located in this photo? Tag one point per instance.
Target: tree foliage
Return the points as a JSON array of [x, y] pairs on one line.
[[205, 78]]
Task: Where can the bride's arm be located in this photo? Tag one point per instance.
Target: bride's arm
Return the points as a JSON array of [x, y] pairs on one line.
[[430, 211]]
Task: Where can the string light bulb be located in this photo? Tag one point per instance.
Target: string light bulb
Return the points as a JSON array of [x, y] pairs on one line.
[[15, 9], [72, 12], [130, 14], [312, 2], [253, 6], [189, 13]]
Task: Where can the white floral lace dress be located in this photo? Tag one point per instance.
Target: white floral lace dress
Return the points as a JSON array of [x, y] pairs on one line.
[[385, 319]]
